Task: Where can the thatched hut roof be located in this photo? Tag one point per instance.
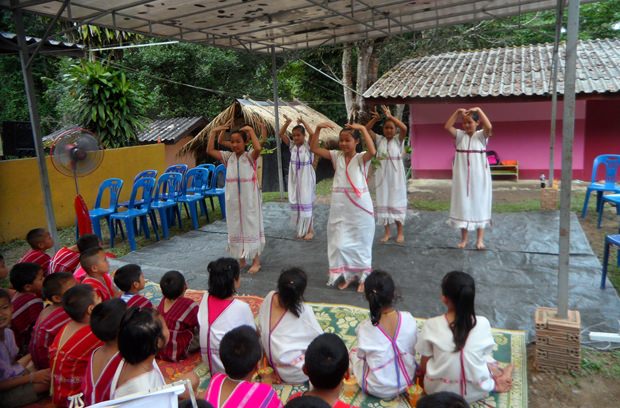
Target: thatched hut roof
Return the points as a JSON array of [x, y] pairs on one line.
[[256, 113]]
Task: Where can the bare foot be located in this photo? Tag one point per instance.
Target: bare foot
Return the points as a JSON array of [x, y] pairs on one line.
[[254, 269], [360, 287], [400, 239], [309, 236], [385, 238], [462, 244], [480, 246], [344, 284], [242, 263]]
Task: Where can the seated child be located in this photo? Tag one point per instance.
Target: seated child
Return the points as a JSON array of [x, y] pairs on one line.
[[130, 280], [105, 323], [4, 271], [442, 399], [27, 280], [74, 343], [240, 352], [40, 241], [179, 313], [51, 319], [307, 401], [327, 363], [68, 259], [141, 335], [219, 311], [85, 242], [457, 346], [18, 386], [96, 265], [384, 360], [287, 326]]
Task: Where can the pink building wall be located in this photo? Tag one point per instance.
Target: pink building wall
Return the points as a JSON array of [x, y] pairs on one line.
[[521, 132]]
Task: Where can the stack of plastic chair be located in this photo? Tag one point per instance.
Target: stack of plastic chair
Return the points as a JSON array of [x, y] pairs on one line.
[[140, 212], [113, 186], [165, 200], [142, 174], [218, 188], [610, 240], [177, 168], [610, 162], [191, 193]]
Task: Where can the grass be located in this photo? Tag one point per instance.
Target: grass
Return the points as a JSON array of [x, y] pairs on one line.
[[605, 364]]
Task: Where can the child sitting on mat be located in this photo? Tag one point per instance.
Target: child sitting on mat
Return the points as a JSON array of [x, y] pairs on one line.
[[96, 265], [287, 326], [240, 352], [40, 240], [180, 314], [220, 312], [457, 347], [130, 280], [27, 279], [67, 259]]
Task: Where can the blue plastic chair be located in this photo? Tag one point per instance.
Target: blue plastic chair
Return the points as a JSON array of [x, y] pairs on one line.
[[611, 162], [192, 193], [614, 199], [165, 202], [609, 241], [177, 168], [114, 186], [217, 188], [141, 175], [208, 166], [134, 212]]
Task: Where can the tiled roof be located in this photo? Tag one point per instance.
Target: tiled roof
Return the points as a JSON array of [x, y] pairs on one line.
[[512, 71], [171, 130]]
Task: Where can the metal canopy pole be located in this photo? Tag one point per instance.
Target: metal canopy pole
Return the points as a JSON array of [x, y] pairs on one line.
[[568, 133], [554, 92], [277, 120], [35, 122]]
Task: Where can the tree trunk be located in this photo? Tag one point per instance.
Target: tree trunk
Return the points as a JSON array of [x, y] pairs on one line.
[[347, 78], [365, 49], [398, 114]]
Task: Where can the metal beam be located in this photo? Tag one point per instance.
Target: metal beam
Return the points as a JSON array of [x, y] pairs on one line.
[[40, 44], [276, 114], [554, 90], [568, 133], [35, 121]]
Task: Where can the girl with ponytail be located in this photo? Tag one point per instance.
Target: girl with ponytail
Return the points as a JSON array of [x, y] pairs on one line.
[[384, 360], [287, 326], [457, 346]]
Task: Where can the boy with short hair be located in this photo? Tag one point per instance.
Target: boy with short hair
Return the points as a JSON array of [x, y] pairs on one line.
[[130, 280], [18, 386], [96, 265], [67, 259], [27, 280], [74, 343], [40, 241], [180, 314], [51, 319]]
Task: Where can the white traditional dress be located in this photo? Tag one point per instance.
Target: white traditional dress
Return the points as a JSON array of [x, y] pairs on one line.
[[351, 224], [470, 204], [301, 186], [385, 366], [390, 181], [285, 345], [214, 325], [244, 213], [464, 372], [143, 383]]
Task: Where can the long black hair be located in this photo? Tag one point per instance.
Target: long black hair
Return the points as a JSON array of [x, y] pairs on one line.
[[223, 273], [460, 289], [380, 293], [291, 286]]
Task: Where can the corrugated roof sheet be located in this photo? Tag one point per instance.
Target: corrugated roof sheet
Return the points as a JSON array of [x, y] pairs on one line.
[[512, 71], [8, 44], [171, 130]]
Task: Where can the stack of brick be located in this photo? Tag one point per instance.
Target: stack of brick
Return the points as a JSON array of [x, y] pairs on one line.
[[557, 341]]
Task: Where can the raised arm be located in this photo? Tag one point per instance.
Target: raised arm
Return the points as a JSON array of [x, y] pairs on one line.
[[255, 142], [399, 124], [314, 141], [449, 126], [211, 150], [484, 121], [221, 141], [370, 145], [302, 122], [283, 135], [371, 123]]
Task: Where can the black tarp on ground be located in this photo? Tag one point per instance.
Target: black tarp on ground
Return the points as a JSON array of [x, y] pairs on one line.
[[515, 275]]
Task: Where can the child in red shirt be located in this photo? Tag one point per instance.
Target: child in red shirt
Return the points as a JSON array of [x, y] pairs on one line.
[[130, 280], [96, 265], [40, 241], [27, 280]]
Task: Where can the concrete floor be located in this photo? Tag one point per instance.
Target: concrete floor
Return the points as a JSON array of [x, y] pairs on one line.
[[515, 275]]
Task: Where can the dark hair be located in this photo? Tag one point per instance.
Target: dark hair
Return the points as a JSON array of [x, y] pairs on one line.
[[379, 291], [172, 284], [34, 236], [22, 274], [475, 116], [106, 318], [291, 286], [443, 399], [88, 257], [139, 334], [327, 361], [87, 241], [223, 273], [307, 401], [76, 301], [389, 120], [460, 289], [126, 275], [1, 257], [52, 284], [301, 129], [5, 295], [240, 352], [241, 133], [354, 133]]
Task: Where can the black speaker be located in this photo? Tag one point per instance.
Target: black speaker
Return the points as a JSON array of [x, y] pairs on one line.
[[17, 139]]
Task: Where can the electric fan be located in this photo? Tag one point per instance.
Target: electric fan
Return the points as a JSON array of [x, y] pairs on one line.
[[76, 152]]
